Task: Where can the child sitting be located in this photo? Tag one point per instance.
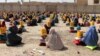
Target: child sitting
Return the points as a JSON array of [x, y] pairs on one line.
[[21, 28], [43, 35], [77, 40], [72, 27], [2, 32]]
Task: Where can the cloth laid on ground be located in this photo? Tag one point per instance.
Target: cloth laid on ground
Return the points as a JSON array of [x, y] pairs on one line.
[[78, 42], [54, 42], [91, 47]]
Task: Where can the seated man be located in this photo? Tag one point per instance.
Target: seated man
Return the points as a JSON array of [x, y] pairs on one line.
[[12, 38], [34, 22]]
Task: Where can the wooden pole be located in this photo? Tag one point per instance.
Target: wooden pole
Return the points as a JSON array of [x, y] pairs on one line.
[[5, 1], [29, 4]]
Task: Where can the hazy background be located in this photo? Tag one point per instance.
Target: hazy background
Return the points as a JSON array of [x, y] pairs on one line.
[[70, 1]]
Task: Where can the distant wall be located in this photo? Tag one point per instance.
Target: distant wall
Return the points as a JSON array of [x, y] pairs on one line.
[[91, 2], [61, 7]]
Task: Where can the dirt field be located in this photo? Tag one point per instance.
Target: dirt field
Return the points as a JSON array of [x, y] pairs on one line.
[[31, 41]]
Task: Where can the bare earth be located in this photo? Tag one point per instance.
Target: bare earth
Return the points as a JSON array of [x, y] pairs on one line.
[[31, 41]]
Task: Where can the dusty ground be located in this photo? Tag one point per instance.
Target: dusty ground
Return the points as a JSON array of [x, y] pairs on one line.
[[31, 41]]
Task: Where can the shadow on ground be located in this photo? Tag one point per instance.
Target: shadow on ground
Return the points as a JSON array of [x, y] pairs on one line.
[[20, 45], [65, 48]]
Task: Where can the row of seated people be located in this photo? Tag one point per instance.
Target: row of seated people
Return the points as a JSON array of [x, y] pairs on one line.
[[8, 34], [32, 21], [81, 19], [72, 27], [51, 40], [90, 39], [44, 31], [54, 41]]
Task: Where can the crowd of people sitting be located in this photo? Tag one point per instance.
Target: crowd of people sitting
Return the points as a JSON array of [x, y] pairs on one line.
[[12, 24]]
